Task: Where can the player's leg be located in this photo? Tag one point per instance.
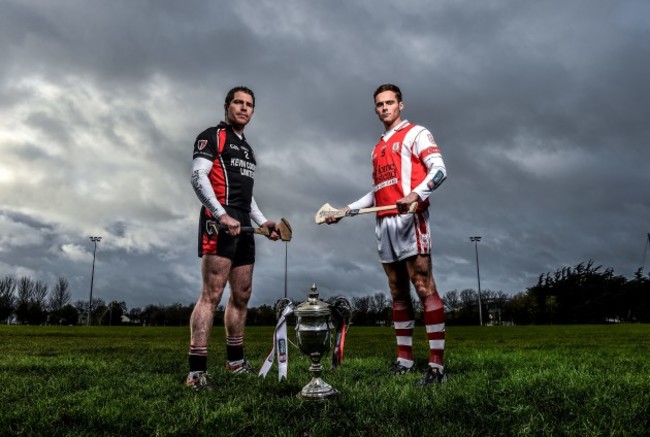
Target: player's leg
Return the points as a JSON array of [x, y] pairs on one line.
[[241, 286], [214, 270], [387, 230], [403, 315], [420, 273]]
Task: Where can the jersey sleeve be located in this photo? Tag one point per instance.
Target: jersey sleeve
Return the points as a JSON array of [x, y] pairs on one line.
[[201, 183], [205, 146], [256, 214], [427, 150], [366, 201]]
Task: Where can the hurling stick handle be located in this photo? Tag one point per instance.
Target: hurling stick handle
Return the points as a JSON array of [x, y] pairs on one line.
[[244, 229], [284, 230], [412, 207], [328, 211], [371, 209]]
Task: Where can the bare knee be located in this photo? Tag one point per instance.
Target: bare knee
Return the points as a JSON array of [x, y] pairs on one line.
[[211, 296], [214, 271], [241, 286], [240, 297], [422, 285]]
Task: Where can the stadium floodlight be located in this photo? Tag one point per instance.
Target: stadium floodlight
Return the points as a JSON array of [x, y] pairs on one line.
[[475, 240], [95, 240]]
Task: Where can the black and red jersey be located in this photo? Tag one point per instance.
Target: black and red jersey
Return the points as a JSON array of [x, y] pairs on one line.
[[233, 168]]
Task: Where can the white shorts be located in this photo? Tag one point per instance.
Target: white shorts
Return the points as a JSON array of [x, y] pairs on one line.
[[402, 236]]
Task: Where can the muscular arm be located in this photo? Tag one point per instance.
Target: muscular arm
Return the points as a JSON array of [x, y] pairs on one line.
[[203, 188]]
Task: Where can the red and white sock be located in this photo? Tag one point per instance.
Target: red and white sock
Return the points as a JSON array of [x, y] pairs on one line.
[[434, 321], [404, 321]]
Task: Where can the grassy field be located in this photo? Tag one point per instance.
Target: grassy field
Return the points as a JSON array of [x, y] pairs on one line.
[[539, 380]]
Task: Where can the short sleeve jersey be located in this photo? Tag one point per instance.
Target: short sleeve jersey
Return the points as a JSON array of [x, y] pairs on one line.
[[233, 169]]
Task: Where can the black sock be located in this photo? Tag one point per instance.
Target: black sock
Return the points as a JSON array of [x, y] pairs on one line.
[[198, 358]]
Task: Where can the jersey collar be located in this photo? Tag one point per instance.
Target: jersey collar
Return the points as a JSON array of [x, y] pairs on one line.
[[389, 133], [229, 128]]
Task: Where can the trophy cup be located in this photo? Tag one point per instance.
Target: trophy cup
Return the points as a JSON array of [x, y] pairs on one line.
[[313, 332]]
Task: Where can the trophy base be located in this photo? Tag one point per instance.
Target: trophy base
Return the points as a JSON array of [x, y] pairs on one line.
[[317, 390]]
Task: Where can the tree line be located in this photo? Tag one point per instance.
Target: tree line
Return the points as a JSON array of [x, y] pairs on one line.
[[570, 295]]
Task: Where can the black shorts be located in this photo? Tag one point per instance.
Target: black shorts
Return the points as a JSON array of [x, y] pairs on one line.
[[239, 249]]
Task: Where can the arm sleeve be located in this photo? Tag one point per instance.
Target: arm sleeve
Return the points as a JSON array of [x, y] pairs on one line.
[[366, 201], [203, 188], [427, 150], [256, 214]]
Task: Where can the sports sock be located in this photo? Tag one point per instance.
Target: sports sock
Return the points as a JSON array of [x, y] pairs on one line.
[[198, 358], [404, 321], [235, 350], [434, 321]]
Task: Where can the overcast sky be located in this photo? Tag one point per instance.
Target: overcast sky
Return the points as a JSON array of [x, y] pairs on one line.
[[541, 110]]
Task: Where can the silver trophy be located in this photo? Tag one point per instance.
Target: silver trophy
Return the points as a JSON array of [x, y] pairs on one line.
[[313, 332]]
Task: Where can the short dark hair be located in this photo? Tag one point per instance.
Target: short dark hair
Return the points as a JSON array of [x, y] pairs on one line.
[[388, 87], [231, 95]]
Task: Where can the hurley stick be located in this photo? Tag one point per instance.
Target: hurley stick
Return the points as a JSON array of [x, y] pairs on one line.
[[328, 210], [284, 229]]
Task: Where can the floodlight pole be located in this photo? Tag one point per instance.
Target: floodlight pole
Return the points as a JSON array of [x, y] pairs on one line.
[[475, 240], [645, 251], [95, 240]]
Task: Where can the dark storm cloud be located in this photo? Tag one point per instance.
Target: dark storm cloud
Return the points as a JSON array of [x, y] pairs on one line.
[[539, 110]]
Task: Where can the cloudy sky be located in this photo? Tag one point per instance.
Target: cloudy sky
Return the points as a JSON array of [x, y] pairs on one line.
[[540, 108]]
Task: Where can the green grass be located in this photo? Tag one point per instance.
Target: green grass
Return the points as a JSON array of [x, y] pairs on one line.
[[540, 380]]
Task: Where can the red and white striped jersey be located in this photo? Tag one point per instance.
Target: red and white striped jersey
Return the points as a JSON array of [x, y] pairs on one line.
[[405, 160]]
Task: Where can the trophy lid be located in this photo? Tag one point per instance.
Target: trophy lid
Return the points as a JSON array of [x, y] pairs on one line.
[[313, 307]]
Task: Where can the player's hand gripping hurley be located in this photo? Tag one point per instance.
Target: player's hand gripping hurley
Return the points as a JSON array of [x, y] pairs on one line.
[[328, 210], [284, 229]]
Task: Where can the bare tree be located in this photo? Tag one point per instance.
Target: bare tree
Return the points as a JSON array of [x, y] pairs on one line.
[[379, 303], [40, 294], [452, 302], [361, 308], [469, 298], [60, 296], [97, 310], [31, 301], [361, 305], [81, 306], [25, 290], [8, 285], [7, 296], [134, 314]]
